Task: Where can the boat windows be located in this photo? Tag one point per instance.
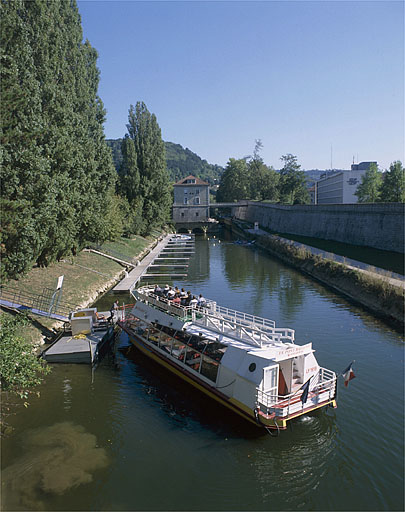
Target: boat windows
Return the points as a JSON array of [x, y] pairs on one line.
[[209, 368], [178, 349], [153, 335], [215, 350], [193, 359], [165, 342]]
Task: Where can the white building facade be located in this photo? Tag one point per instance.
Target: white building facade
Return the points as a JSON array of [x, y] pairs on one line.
[[340, 187]]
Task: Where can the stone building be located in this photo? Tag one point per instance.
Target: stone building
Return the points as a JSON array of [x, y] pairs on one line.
[[191, 200]]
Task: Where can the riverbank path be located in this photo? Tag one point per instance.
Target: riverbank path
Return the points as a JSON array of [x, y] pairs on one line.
[[135, 275]]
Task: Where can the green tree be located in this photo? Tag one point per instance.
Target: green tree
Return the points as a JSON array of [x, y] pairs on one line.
[[293, 189], [393, 186], [129, 177], [154, 186], [369, 190], [56, 167], [20, 368], [234, 184]]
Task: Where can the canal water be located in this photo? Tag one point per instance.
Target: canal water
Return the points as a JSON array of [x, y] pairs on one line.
[[131, 437]]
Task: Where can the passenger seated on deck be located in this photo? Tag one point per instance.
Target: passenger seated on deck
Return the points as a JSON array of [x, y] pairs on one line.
[[176, 292], [158, 290], [183, 296], [166, 290], [187, 299], [193, 302], [170, 294], [201, 301], [176, 301]]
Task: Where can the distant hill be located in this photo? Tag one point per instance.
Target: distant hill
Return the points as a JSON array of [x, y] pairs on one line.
[[180, 162]]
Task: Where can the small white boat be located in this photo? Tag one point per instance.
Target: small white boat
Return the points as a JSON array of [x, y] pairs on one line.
[[180, 237], [242, 361]]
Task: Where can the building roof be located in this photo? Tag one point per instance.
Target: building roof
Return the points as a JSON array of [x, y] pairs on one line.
[[185, 180]]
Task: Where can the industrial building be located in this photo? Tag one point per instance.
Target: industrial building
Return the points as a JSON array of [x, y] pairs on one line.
[[339, 187]]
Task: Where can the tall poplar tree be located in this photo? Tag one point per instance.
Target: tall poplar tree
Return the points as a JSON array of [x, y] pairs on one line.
[[56, 168], [154, 186]]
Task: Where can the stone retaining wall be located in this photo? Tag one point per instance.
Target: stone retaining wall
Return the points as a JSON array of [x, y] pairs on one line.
[[374, 225]]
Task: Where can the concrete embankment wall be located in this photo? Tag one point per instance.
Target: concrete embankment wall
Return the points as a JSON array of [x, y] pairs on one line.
[[374, 225]]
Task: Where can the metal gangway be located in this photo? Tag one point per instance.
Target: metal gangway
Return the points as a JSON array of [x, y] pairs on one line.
[[252, 329], [47, 303]]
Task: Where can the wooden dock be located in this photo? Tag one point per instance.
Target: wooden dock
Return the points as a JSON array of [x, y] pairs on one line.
[[162, 252]]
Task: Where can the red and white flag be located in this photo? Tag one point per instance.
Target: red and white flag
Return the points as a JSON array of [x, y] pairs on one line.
[[348, 374]]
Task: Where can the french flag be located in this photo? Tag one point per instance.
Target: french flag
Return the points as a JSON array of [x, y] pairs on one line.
[[348, 374]]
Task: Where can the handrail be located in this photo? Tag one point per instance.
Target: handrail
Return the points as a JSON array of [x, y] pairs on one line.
[[326, 380], [261, 328], [40, 301]]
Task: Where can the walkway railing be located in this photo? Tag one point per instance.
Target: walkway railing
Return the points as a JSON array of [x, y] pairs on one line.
[[250, 328], [42, 304], [322, 389]]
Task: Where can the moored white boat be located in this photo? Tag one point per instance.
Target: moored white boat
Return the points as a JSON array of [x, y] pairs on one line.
[[242, 361]]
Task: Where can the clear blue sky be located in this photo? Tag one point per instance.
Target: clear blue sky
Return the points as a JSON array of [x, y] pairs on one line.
[[301, 76]]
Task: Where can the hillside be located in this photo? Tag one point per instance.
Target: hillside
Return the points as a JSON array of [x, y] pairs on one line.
[[180, 162]]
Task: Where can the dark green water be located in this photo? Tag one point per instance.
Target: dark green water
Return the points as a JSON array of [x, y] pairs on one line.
[[131, 437]]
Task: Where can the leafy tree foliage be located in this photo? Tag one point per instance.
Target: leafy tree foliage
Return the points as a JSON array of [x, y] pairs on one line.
[[183, 162], [56, 169], [180, 162], [234, 183], [393, 186], [263, 179], [143, 175], [369, 190], [20, 369], [293, 188]]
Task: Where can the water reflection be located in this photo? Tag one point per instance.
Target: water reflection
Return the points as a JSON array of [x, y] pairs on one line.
[[55, 459], [291, 295]]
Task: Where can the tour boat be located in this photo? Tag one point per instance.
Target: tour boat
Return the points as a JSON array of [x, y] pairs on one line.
[[242, 361]]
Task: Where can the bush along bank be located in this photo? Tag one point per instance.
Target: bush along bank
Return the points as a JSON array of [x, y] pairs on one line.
[[375, 292]]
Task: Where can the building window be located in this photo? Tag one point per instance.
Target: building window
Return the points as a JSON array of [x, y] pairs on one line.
[[197, 200], [182, 214], [196, 214], [185, 200]]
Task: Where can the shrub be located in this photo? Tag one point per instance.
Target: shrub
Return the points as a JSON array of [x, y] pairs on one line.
[[20, 369]]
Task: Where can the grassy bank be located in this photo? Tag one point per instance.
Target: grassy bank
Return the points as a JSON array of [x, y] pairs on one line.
[[378, 293], [86, 276]]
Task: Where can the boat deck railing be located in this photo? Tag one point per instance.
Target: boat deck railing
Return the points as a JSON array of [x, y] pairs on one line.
[[250, 328], [322, 390]]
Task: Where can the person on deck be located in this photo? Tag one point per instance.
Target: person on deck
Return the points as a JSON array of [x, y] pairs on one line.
[[193, 302], [201, 301], [183, 295], [166, 290], [113, 311]]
